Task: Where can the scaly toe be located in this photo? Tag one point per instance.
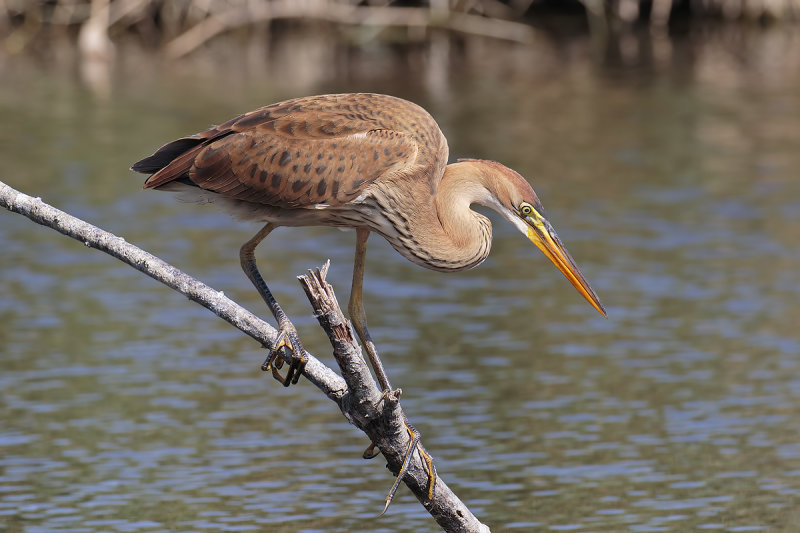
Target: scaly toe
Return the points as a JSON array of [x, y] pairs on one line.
[[287, 340]]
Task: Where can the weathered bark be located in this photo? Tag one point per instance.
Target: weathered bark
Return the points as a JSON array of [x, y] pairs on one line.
[[355, 392]]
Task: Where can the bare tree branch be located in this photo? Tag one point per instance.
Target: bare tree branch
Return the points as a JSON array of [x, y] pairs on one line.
[[356, 393], [35, 209]]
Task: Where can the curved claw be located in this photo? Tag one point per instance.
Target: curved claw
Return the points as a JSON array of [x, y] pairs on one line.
[[287, 340], [390, 396], [371, 452]]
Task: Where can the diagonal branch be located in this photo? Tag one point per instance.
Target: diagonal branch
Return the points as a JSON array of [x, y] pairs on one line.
[[356, 393], [215, 301]]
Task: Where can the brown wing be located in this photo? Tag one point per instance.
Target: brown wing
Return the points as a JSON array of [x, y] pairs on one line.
[[323, 149]]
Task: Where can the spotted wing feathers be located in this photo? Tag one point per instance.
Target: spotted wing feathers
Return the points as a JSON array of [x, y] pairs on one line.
[[316, 150]]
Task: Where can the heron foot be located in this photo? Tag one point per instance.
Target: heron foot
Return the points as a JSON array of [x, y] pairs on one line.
[[287, 340], [413, 445]]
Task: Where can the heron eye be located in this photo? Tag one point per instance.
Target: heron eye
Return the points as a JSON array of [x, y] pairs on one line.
[[526, 209]]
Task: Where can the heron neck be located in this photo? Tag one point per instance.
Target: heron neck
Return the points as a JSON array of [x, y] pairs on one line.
[[463, 237], [437, 231]]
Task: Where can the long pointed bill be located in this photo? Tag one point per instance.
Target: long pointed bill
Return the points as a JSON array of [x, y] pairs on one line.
[[542, 234]]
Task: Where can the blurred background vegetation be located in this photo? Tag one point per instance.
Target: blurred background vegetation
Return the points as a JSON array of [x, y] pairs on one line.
[[319, 39], [181, 26]]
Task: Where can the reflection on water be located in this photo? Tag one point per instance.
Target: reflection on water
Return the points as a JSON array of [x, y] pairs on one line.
[[672, 182]]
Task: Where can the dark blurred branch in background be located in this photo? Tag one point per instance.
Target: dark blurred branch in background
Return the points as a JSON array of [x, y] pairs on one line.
[[182, 25], [229, 16]]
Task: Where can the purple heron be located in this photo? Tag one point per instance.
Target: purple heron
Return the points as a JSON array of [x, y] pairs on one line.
[[371, 162]]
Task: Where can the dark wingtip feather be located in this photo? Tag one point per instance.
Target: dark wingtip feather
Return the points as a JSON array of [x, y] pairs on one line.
[[165, 155], [146, 166]]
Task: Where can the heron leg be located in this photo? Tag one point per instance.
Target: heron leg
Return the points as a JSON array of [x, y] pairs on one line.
[[287, 334], [359, 318]]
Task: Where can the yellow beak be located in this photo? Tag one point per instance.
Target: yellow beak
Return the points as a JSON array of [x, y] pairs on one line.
[[542, 234]]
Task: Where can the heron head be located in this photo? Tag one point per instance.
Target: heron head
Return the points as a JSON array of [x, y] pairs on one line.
[[515, 199]]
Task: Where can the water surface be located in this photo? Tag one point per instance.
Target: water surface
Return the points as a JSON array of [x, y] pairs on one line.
[[672, 177]]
